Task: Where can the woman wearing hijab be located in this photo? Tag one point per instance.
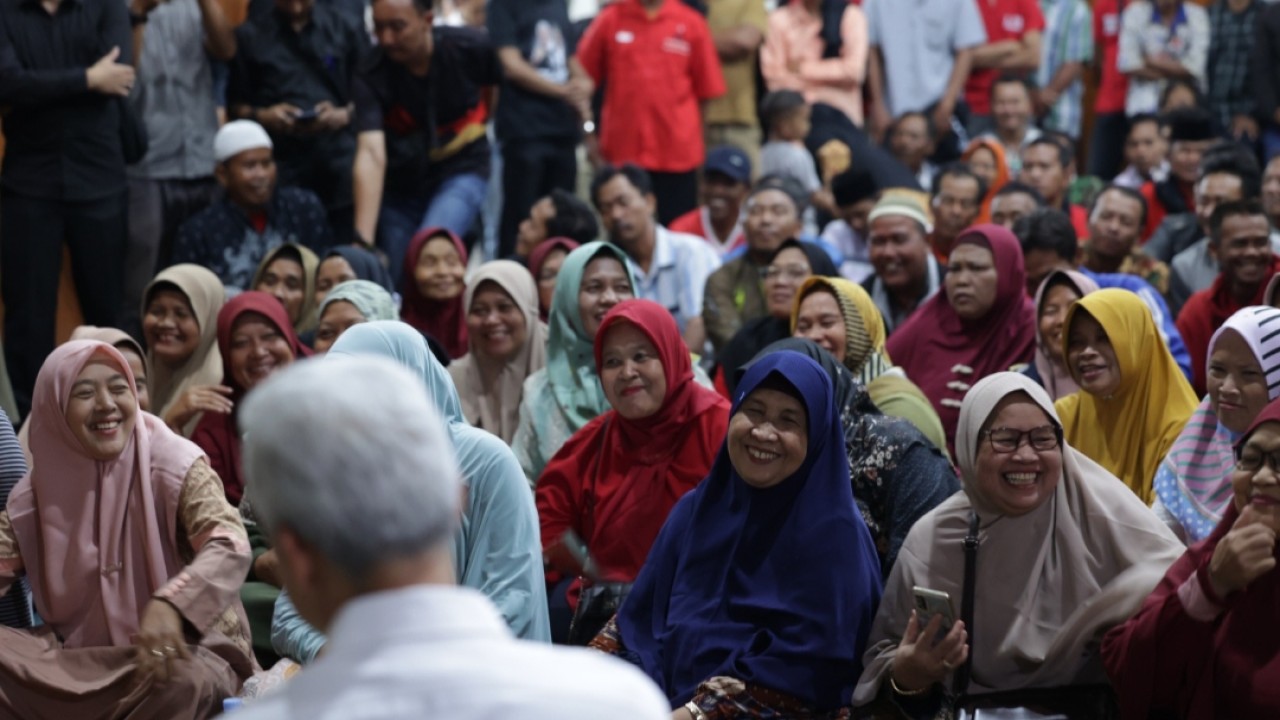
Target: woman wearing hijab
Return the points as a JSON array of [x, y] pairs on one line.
[[982, 323], [350, 303], [842, 319], [898, 475], [348, 262], [431, 289], [986, 158], [289, 273], [614, 482], [1133, 400], [545, 263], [1205, 644], [1084, 551], [495, 550], [507, 342], [780, 278], [140, 612], [566, 395], [180, 326], [1193, 484], [1054, 298], [758, 597]]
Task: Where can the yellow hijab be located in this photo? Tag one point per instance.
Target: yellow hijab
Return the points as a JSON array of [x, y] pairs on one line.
[[1130, 432], [864, 332]]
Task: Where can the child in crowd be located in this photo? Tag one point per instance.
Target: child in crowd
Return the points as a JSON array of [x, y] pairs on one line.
[[785, 116]]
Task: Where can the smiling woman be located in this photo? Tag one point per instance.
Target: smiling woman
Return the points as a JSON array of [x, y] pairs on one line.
[[432, 285], [289, 274], [180, 325]]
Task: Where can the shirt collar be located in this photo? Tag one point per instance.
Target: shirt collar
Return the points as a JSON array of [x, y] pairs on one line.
[[414, 614], [1178, 19]]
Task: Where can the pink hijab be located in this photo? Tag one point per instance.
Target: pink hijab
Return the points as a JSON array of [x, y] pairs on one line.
[[1054, 376], [98, 539]]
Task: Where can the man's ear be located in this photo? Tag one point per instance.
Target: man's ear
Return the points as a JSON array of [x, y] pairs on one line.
[[299, 561]]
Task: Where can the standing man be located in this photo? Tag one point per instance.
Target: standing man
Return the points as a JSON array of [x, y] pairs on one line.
[[174, 44], [1109, 123], [64, 79], [658, 63], [737, 29], [1233, 28], [545, 99], [1160, 41], [420, 124], [1068, 48], [1014, 34], [293, 74]]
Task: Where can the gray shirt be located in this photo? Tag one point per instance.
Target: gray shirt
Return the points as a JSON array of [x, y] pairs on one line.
[[1195, 269], [918, 40], [174, 95]]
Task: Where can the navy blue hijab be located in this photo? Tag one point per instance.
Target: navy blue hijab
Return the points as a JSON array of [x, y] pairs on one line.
[[366, 265], [775, 587]]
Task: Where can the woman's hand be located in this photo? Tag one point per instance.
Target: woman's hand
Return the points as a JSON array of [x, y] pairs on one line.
[[160, 642], [1245, 554], [921, 662], [266, 568], [198, 399]]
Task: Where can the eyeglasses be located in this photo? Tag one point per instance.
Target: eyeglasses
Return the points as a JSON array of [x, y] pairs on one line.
[[791, 272], [1008, 440], [1253, 462]]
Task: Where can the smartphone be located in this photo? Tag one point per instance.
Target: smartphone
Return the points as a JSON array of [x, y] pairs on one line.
[[305, 116], [934, 602]]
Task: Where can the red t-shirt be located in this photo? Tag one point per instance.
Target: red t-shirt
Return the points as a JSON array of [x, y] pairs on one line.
[[1004, 20], [698, 222], [1114, 85], [657, 72]]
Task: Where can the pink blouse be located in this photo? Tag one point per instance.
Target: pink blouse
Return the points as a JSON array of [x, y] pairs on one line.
[[791, 58]]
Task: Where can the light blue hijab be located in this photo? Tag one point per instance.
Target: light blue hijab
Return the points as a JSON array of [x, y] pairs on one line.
[[498, 549]]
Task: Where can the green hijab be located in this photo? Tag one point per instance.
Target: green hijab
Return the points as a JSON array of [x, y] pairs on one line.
[[571, 365], [370, 299]]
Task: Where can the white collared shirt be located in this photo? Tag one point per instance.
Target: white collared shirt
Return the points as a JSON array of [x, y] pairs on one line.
[[438, 651], [678, 274]]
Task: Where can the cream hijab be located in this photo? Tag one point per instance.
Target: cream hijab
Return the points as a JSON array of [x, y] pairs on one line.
[[491, 389], [206, 295], [1049, 583]]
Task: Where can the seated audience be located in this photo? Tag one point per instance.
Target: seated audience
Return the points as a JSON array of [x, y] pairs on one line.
[[912, 139], [1084, 550], [726, 181], [562, 397], [349, 304], [1014, 115], [432, 287], [544, 264], [1146, 150], [370, 562], [256, 339], [737, 611], [614, 482], [253, 216], [1054, 298], [139, 606], [1193, 483], [1013, 201], [907, 272], [560, 214], [288, 273], [854, 192], [733, 295], [986, 158], [1133, 402], [983, 323], [841, 318], [1115, 231], [1208, 621], [1049, 166], [348, 262], [507, 342], [1239, 237], [180, 326], [959, 196]]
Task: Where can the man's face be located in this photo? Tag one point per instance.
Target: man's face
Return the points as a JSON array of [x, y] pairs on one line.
[[1007, 209], [1042, 169], [1213, 190], [771, 220], [957, 205], [533, 229], [1145, 148], [1184, 158], [403, 31], [627, 213], [249, 177], [1244, 250], [1271, 191], [899, 251], [1039, 262], [910, 142], [723, 196], [856, 215], [1115, 225], [1011, 107]]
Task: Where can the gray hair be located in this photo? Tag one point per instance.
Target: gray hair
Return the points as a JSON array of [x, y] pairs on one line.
[[350, 454]]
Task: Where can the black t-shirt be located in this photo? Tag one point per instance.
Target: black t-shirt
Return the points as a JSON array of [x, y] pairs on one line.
[[541, 31], [434, 125]]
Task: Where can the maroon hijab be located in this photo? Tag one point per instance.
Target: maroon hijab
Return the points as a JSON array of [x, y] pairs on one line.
[[216, 433], [445, 321], [539, 256], [1164, 661]]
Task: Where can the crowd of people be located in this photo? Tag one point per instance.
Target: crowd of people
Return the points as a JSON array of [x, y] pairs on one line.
[[799, 358]]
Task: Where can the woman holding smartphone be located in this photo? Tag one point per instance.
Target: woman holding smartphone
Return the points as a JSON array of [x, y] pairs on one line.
[[1083, 549]]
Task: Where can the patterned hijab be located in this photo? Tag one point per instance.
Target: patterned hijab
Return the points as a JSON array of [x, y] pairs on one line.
[[864, 332], [370, 299], [1194, 481]]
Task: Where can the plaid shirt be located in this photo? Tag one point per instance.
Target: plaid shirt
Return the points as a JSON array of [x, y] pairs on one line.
[[1068, 37], [1230, 46]]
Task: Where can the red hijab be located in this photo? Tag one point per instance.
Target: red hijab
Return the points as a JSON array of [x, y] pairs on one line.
[[935, 341], [445, 321], [216, 433], [540, 255], [615, 480], [1162, 661]]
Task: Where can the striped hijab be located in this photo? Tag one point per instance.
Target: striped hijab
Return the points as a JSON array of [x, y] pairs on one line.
[[1194, 480]]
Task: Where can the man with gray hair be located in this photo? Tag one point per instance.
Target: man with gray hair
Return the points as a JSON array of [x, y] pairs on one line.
[[369, 562]]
